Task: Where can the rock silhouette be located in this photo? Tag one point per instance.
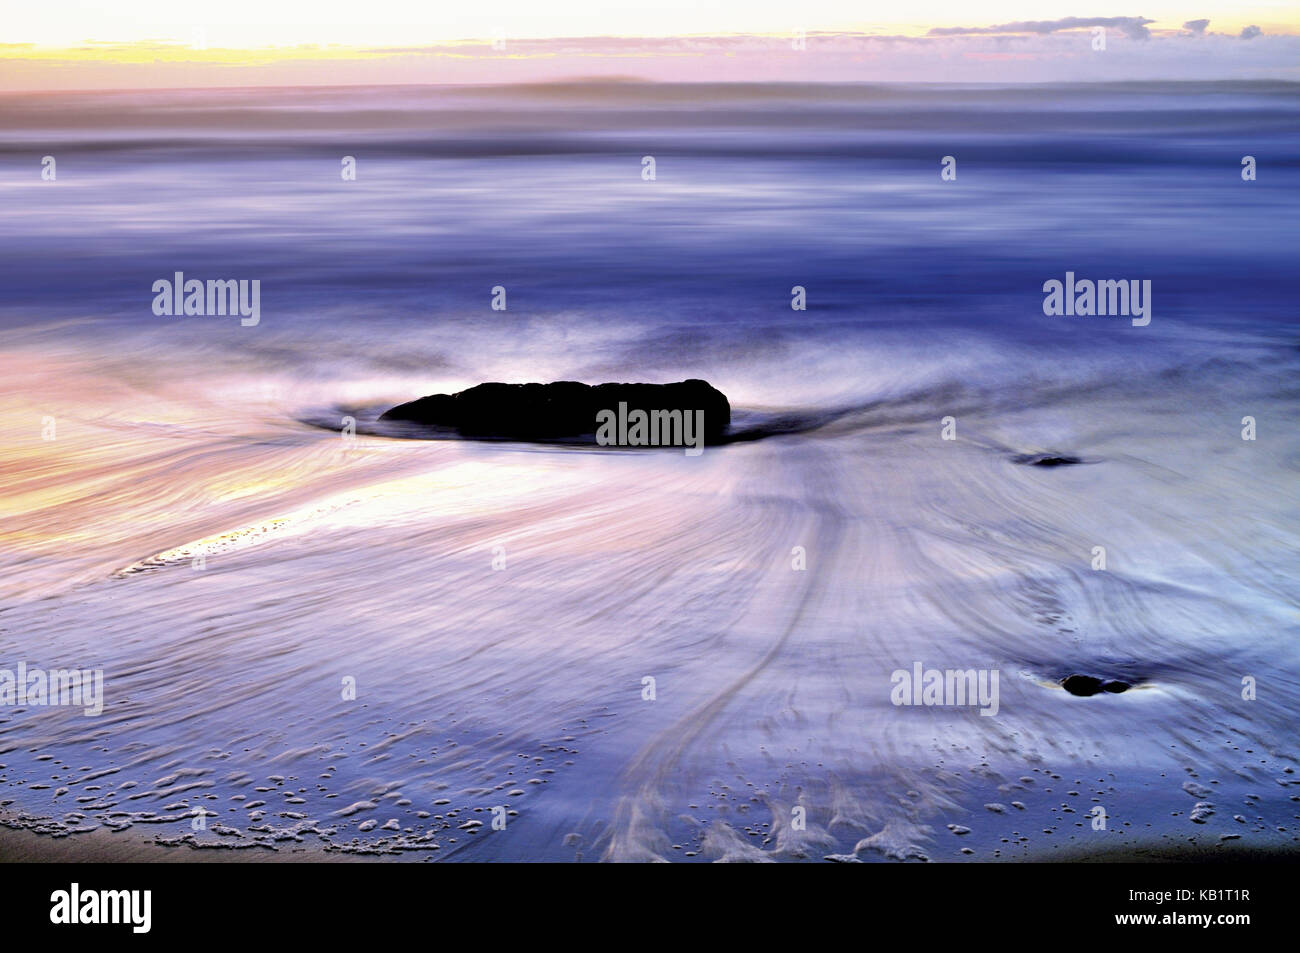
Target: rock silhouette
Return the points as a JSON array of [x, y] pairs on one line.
[[1086, 685], [562, 410]]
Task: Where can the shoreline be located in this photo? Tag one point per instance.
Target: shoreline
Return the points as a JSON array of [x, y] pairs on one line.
[[18, 846], [1158, 844]]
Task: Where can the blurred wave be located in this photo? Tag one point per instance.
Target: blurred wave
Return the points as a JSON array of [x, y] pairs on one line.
[[192, 526]]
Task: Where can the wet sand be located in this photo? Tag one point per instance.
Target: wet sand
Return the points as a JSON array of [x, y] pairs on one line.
[[500, 606]]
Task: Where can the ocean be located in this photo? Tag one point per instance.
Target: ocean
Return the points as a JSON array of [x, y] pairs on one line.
[[313, 640]]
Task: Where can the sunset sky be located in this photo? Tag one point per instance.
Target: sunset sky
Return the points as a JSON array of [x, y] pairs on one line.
[[65, 44]]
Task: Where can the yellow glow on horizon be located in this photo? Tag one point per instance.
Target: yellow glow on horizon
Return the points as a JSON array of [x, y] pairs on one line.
[[159, 44], [150, 53], [390, 24], [177, 51]]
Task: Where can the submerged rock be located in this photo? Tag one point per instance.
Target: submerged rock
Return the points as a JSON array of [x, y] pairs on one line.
[[567, 410], [1047, 459]]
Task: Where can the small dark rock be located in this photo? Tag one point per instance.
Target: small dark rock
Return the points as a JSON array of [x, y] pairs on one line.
[[1047, 459], [1083, 685]]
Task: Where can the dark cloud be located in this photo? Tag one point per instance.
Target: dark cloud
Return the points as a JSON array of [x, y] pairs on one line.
[[1250, 32], [1196, 26], [1132, 27]]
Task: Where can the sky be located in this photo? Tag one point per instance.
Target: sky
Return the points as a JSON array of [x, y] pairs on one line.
[[87, 44]]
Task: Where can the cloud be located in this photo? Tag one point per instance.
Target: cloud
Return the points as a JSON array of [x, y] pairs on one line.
[[1196, 26], [1250, 32], [1133, 27]]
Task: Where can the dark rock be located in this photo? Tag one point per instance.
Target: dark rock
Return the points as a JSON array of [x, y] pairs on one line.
[[563, 410], [1047, 459], [1085, 685]]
